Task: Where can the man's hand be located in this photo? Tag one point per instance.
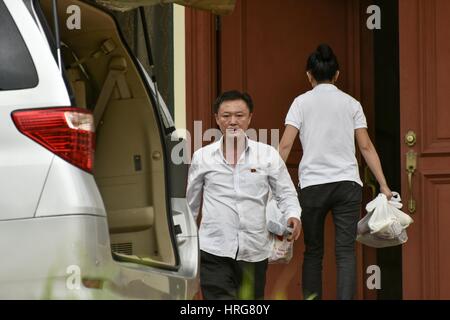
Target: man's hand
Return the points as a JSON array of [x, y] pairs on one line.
[[296, 226]]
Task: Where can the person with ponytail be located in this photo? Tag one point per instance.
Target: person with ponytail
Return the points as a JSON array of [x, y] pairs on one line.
[[327, 121]]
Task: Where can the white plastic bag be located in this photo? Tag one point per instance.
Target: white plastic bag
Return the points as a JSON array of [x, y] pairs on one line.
[[384, 224], [282, 250], [275, 220]]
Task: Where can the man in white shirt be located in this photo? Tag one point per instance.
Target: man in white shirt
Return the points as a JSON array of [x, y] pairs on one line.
[[233, 176]]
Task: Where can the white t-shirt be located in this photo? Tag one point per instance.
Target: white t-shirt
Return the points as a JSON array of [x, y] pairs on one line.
[[327, 119]]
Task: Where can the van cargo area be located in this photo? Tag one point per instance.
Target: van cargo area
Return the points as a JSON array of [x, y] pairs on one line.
[[129, 158]]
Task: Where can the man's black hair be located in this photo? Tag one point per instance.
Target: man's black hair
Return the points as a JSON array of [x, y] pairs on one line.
[[231, 96]]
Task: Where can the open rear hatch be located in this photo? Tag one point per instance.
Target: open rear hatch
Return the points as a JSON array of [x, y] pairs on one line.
[[130, 158]]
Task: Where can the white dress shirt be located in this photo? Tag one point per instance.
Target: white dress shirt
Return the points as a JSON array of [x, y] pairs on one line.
[[234, 199], [327, 118]]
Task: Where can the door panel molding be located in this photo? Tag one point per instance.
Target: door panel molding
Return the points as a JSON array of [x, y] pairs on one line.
[[235, 63], [434, 127], [436, 191], [424, 31], [201, 69]]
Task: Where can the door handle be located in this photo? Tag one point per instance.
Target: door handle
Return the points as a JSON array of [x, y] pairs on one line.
[[411, 165], [410, 138]]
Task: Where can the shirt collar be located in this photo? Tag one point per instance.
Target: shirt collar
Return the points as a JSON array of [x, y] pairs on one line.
[[325, 86]]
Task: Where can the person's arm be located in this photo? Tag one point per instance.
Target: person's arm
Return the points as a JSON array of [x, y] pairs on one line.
[[373, 161], [194, 189], [285, 195], [289, 135]]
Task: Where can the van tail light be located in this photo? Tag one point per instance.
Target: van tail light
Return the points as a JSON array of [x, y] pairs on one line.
[[67, 132]]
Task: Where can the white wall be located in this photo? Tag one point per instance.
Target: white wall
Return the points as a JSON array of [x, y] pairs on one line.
[[179, 67]]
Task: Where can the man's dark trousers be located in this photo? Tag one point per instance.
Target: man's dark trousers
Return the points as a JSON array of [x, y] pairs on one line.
[[223, 278]]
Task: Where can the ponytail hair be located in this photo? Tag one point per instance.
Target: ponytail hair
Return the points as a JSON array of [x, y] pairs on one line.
[[322, 63]]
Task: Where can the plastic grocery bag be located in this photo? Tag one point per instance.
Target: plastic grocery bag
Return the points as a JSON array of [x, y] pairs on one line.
[[282, 250], [385, 224], [276, 221]]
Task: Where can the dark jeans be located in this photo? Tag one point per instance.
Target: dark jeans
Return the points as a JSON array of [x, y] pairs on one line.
[[344, 200], [224, 278]]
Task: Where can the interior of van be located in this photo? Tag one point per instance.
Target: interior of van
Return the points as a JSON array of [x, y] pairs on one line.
[[129, 159]]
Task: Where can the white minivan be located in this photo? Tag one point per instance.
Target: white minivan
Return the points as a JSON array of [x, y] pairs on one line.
[[75, 226]]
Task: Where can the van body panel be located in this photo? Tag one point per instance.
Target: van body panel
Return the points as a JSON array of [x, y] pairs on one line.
[[24, 163], [23, 170], [40, 250], [69, 190], [67, 249], [182, 216]]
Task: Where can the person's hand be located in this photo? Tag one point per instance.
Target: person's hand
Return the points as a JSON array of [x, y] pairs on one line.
[[386, 191], [296, 226]]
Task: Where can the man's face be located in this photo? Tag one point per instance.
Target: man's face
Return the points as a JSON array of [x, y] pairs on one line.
[[233, 118]]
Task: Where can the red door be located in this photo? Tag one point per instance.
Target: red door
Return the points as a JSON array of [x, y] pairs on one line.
[[264, 45], [424, 102]]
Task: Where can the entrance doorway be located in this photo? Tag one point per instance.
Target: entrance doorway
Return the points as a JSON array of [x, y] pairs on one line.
[[387, 132]]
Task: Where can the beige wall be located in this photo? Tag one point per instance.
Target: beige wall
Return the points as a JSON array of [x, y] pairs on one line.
[[179, 67]]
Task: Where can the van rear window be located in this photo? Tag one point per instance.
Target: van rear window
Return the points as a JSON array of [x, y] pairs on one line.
[[17, 69]]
